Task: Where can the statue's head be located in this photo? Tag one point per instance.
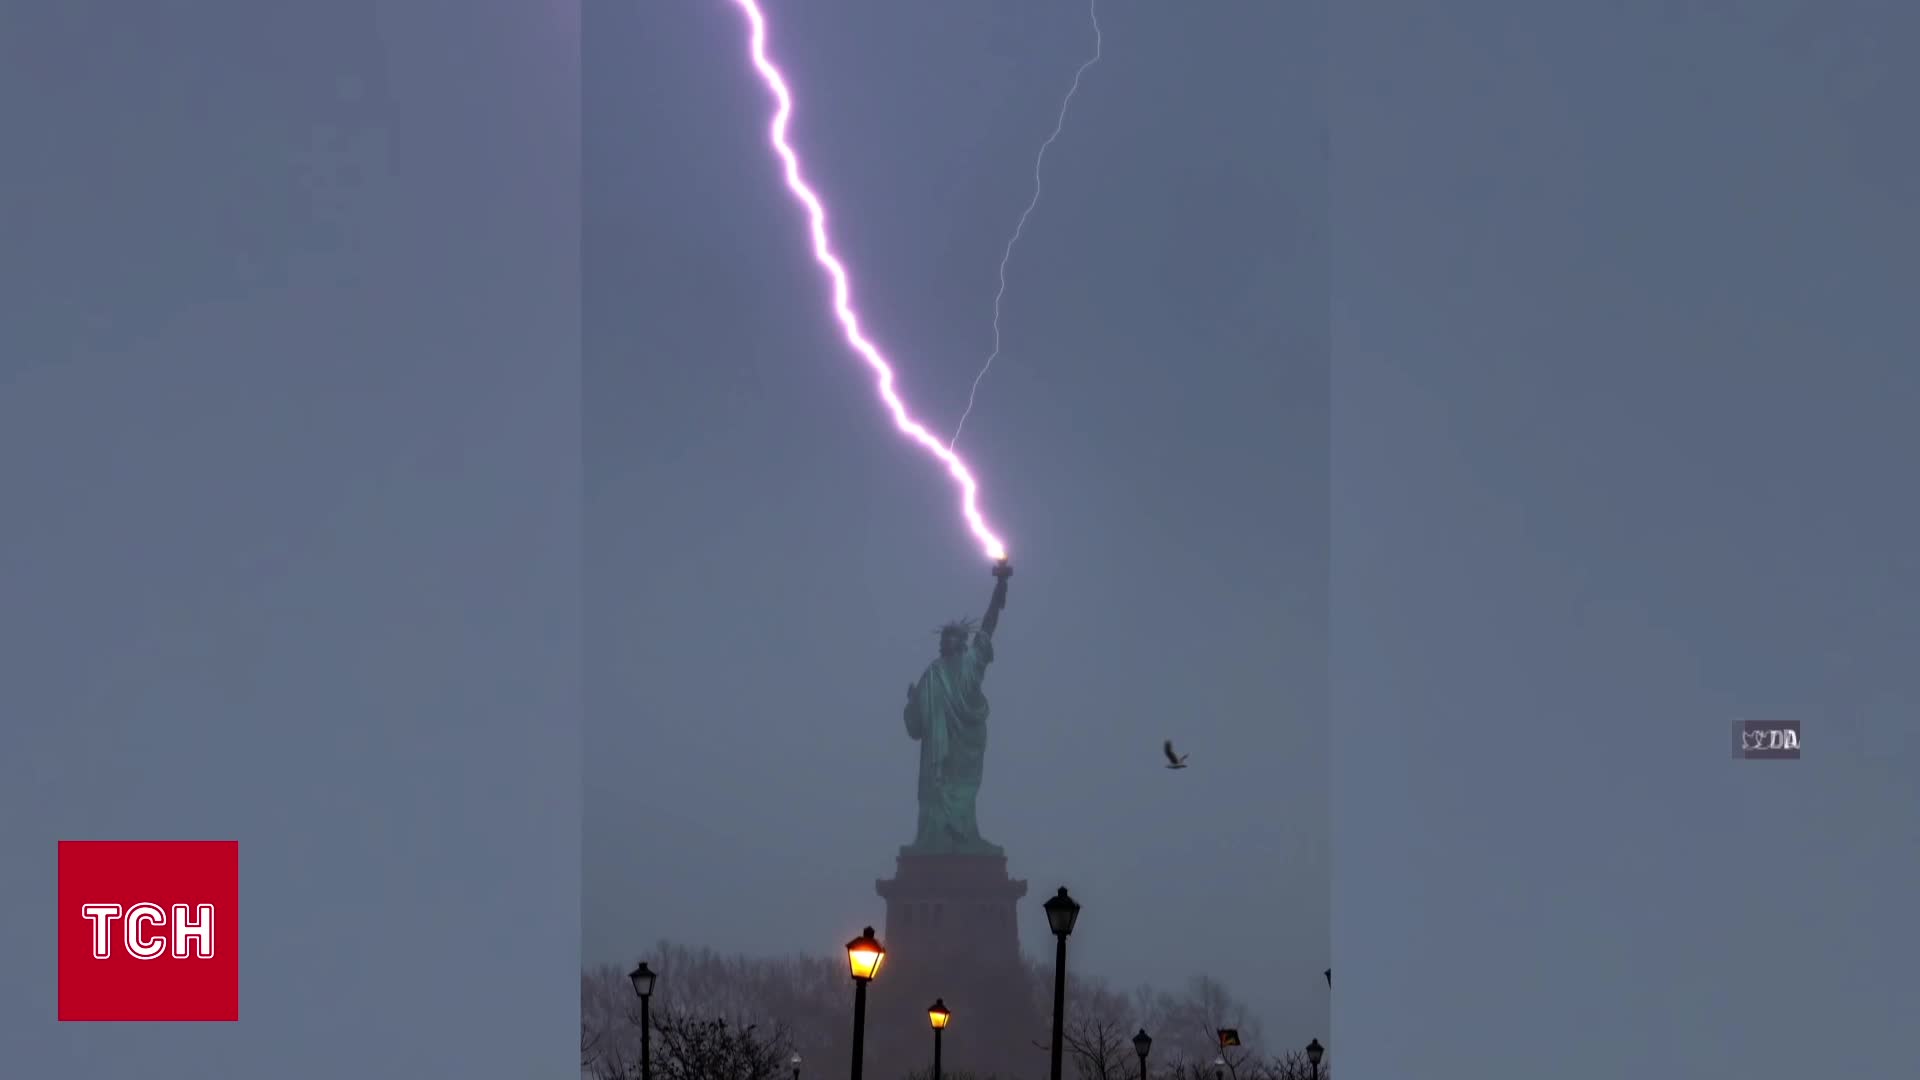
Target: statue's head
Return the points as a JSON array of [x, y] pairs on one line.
[[954, 637]]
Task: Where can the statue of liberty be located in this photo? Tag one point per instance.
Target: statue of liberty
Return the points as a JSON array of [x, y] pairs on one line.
[[946, 714]]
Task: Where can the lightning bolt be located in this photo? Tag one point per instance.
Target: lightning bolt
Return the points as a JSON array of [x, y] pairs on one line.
[[1059, 122], [842, 291]]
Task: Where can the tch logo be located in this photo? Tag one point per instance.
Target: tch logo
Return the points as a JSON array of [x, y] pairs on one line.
[[149, 930]]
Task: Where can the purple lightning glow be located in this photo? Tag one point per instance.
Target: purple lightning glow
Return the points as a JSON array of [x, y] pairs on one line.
[[842, 298], [1006, 256]]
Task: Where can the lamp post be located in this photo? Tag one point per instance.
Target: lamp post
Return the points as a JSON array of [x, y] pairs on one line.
[[863, 960], [642, 978], [1142, 1044], [1219, 1066], [939, 1018], [1314, 1051], [1062, 913], [795, 1062]]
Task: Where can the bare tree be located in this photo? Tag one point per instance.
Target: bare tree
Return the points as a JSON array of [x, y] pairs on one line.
[[1100, 1022], [1185, 1029], [1101, 1048], [1292, 1065], [800, 994], [609, 1024], [800, 1002], [701, 1049], [1097, 1031]]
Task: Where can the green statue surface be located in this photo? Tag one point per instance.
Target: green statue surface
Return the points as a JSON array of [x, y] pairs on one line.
[[946, 714]]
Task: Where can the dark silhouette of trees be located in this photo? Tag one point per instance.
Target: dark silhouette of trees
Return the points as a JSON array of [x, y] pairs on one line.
[[1101, 1022], [721, 1017], [778, 1005], [1289, 1066], [689, 1048]]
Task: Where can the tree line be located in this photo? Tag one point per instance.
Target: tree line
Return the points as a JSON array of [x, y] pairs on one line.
[[730, 1017]]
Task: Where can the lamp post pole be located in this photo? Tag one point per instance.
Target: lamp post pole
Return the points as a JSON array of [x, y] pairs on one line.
[[938, 1017], [859, 1025], [1142, 1043], [1059, 1005], [1062, 912], [642, 977], [863, 959]]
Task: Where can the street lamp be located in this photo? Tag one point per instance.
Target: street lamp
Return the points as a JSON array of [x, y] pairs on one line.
[[1142, 1045], [1314, 1051], [795, 1062], [642, 978], [1219, 1066], [864, 954], [1062, 913], [939, 1017]]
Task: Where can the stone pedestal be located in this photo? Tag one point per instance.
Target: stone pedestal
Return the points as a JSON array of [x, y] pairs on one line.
[[953, 932], [947, 909]]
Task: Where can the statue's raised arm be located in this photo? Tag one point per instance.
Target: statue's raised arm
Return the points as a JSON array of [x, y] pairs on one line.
[[1002, 570]]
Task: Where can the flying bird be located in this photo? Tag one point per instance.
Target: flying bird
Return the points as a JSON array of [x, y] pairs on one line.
[[1174, 761]]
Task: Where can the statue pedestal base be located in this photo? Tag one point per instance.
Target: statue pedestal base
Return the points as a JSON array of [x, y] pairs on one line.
[[953, 908], [953, 932]]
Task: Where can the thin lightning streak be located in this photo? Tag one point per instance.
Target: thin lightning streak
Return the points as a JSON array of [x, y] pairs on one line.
[[842, 298], [1093, 16]]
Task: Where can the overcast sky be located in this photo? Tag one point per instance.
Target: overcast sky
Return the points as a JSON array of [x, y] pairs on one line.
[[767, 560], [289, 517], [1624, 403]]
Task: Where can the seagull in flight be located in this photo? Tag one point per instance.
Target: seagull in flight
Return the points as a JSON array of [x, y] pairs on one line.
[[1174, 761]]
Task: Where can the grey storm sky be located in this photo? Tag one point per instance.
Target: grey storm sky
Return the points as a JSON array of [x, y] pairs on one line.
[[289, 516], [1625, 394], [766, 559]]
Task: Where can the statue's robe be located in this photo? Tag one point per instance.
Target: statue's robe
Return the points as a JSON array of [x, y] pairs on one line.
[[947, 715]]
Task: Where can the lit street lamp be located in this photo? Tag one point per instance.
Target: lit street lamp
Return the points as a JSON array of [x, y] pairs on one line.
[[1219, 1066], [1314, 1051], [939, 1017], [795, 1062], [1062, 913], [642, 977], [864, 954], [1142, 1045]]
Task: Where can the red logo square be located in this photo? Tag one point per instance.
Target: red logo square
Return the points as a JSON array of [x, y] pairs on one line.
[[149, 930]]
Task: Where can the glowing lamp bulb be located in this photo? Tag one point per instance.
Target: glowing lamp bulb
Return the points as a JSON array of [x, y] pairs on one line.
[[864, 954]]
